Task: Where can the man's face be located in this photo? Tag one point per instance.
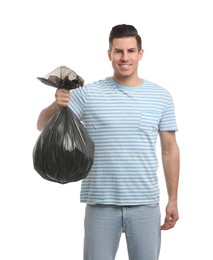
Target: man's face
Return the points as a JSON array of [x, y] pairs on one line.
[[125, 56]]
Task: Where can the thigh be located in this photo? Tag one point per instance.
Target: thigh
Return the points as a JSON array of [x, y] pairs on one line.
[[103, 228], [143, 233]]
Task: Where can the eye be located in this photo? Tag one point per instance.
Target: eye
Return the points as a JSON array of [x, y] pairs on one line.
[[132, 50]]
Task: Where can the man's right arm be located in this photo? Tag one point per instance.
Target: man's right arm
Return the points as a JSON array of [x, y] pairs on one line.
[[62, 97]]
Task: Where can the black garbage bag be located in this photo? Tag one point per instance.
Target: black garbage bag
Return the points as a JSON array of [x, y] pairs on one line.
[[64, 151]]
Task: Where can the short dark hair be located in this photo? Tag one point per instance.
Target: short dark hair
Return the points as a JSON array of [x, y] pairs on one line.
[[125, 30]]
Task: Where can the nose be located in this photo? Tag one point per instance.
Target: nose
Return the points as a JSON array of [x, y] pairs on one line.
[[125, 56]]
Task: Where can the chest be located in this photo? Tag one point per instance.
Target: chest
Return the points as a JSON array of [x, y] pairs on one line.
[[124, 111]]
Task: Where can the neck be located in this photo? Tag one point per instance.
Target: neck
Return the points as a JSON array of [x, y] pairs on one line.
[[128, 82]]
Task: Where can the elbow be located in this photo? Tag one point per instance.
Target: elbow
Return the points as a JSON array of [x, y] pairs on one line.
[[172, 150]]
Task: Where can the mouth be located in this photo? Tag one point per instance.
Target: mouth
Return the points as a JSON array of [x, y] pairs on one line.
[[125, 66]]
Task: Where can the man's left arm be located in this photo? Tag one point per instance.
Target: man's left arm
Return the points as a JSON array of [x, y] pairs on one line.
[[171, 166]]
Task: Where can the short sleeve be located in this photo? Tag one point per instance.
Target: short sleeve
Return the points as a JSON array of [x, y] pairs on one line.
[[77, 101], [168, 120]]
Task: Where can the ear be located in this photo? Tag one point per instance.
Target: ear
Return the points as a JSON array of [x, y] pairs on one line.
[[109, 54], [141, 52]]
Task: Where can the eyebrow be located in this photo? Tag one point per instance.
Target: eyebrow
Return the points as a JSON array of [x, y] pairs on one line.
[[118, 49]]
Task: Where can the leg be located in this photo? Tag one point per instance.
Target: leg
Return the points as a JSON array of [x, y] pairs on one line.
[[103, 228], [143, 233]]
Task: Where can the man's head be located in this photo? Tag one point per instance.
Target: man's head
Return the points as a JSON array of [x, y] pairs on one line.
[[125, 51], [123, 31]]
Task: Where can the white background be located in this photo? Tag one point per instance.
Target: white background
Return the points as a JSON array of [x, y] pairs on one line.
[[44, 220]]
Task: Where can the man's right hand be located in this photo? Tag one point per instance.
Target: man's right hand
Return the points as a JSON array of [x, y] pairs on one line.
[[62, 97]]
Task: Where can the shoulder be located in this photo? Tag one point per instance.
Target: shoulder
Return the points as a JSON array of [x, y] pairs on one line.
[[98, 87], [154, 86], [94, 87], [100, 83], [157, 89]]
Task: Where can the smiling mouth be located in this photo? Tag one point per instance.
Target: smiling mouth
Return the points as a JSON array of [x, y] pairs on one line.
[[125, 66]]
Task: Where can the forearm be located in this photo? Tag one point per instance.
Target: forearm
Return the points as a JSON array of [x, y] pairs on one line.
[[171, 167], [45, 115]]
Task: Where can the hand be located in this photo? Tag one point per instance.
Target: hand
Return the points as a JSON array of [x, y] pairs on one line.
[[172, 216], [62, 97]]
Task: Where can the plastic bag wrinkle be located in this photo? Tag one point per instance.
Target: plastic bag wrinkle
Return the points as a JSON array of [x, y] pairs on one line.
[[64, 151]]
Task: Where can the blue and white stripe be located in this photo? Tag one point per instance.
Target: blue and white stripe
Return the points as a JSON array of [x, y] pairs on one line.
[[124, 123]]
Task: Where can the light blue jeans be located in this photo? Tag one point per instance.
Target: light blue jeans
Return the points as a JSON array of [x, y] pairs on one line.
[[104, 225]]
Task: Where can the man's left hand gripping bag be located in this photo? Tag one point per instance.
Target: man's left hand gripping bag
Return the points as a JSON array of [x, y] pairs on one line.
[[64, 151]]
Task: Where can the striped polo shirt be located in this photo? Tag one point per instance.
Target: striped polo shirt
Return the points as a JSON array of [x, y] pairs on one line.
[[124, 123]]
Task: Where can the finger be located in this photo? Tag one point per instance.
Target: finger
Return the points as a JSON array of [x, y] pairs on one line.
[[62, 97], [168, 224], [65, 91], [62, 93], [62, 101]]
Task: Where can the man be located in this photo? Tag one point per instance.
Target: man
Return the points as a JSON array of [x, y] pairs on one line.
[[124, 114]]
